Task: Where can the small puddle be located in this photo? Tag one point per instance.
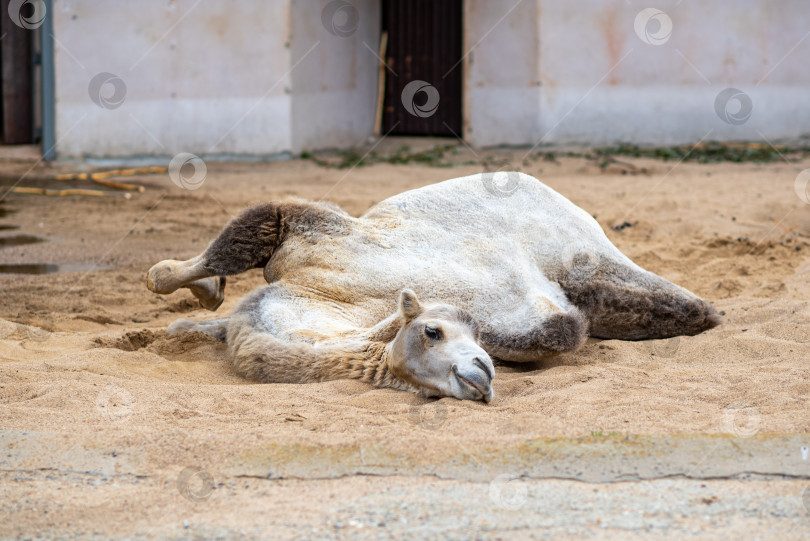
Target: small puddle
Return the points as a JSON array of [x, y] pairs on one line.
[[19, 240], [49, 268], [4, 227]]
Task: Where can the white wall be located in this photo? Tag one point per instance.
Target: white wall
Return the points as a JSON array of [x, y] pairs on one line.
[[206, 78], [601, 84], [501, 87], [262, 77], [215, 78], [335, 84]]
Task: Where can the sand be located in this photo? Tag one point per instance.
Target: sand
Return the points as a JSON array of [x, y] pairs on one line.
[[87, 371]]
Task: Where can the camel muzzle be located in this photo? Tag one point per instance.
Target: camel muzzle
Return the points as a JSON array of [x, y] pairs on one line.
[[477, 376]]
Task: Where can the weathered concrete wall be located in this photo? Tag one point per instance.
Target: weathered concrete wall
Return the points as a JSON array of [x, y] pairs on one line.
[[600, 82], [502, 94], [211, 79], [264, 77], [205, 78], [335, 77]]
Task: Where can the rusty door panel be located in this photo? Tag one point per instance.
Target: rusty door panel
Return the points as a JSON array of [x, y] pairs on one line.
[[424, 44]]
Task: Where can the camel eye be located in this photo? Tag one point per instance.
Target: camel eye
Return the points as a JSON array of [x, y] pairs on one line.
[[433, 333]]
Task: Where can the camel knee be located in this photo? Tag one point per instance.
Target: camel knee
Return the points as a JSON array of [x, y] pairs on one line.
[[564, 331]]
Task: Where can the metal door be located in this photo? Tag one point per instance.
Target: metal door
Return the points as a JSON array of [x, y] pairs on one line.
[[423, 84], [16, 77]]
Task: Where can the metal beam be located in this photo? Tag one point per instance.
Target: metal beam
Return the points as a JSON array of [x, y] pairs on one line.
[[48, 94]]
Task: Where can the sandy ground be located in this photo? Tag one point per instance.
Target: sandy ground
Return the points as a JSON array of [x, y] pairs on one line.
[[119, 412]]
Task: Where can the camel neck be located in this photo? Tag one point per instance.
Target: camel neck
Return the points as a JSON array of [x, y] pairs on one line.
[[364, 356], [381, 374]]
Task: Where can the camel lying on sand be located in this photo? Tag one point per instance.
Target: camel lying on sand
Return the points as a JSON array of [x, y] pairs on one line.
[[516, 274]]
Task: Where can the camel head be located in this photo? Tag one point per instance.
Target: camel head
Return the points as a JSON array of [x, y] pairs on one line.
[[437, 350]]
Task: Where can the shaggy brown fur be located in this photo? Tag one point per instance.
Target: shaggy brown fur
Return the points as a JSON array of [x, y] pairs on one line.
[[360, 355], [249, 240], [262, 358], [560, 332], [626, 305]]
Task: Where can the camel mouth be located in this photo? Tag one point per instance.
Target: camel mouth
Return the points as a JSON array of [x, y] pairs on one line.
[[484, 389]]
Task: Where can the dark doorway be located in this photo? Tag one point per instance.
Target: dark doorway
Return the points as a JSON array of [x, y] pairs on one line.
[[17, 81], [424, 50]]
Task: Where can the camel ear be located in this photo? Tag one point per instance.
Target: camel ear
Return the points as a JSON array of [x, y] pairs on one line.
[[409, 304]]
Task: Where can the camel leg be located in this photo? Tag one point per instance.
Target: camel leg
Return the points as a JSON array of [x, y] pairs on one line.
[[169, 275], [209, 291], [549, 330], [246, 242], [625, 302], [217, 328]]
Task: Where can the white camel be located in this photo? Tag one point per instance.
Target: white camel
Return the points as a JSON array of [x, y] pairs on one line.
[[518, 272]]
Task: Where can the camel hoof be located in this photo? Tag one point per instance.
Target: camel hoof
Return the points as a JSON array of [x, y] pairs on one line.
[[160, 278], [209, 291]]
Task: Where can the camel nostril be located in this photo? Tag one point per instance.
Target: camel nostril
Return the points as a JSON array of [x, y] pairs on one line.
[[478, 378], [484, 368]]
